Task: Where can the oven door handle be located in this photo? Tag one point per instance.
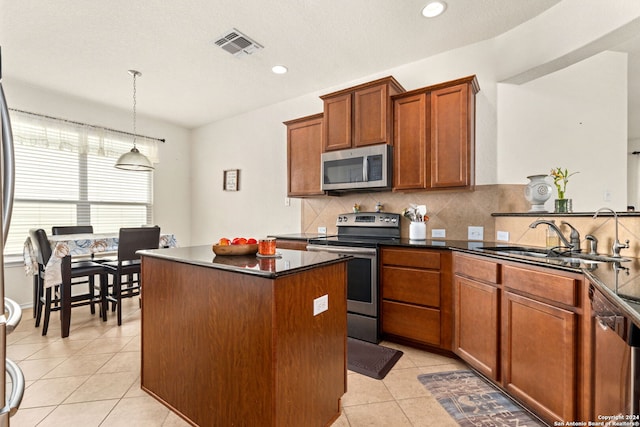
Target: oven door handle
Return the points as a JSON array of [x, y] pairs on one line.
[[341, 250]]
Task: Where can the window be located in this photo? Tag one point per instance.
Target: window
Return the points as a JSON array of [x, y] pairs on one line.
[[65, 176]]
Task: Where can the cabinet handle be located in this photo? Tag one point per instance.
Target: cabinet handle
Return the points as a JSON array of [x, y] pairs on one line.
[[602, 323], [15, 314], [17, 379]]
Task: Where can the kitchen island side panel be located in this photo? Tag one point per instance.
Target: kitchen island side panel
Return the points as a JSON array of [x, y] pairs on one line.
[[310, 349], [225, 348], [206, 340]]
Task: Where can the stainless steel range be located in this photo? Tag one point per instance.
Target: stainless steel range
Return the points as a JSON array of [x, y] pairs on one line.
[[359, 236]]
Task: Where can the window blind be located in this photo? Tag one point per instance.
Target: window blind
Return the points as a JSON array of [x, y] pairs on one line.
[[65, 176]]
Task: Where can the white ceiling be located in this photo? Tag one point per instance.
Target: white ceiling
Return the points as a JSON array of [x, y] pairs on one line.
[[84, 48]]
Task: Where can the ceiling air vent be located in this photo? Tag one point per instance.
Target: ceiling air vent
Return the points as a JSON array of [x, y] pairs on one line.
[[237, 44]]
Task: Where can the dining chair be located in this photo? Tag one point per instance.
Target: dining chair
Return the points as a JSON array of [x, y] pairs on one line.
[[48, 299], [72, 229], [126, 270]]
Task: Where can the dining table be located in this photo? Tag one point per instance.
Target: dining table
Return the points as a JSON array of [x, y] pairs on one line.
[[75, 245]]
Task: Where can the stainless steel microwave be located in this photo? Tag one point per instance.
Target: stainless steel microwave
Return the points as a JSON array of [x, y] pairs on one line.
[[364, 168]]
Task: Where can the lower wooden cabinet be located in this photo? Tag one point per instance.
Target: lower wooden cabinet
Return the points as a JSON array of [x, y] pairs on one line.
[[540, 356], [416, 295], [477, 328], [521, 327]]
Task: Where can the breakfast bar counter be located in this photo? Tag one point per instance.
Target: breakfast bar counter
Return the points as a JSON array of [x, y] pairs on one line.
[[243, 340]]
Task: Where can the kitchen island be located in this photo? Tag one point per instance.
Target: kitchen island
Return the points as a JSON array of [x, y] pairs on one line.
[[243, 340]]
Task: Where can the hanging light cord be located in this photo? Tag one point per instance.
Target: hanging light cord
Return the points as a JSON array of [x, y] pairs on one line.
[[135, 74]]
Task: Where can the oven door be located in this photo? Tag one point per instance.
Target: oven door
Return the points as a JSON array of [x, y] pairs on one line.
[[362, 290], [362, 277]]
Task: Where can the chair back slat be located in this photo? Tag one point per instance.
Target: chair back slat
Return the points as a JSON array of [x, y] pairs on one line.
[[72, 229], [41, 245], [132, 240]]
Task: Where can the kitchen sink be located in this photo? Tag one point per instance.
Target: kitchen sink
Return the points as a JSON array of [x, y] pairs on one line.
[[554, 255], [518, 250], [576, 260]]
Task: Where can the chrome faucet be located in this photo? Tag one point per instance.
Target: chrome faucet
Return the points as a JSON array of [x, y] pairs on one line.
[[615, 248], [575, 236]]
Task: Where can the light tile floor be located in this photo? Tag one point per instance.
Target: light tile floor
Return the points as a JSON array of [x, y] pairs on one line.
[[92, 378]]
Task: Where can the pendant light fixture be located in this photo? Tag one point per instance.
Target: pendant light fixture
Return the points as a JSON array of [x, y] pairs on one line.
[[134, 160]]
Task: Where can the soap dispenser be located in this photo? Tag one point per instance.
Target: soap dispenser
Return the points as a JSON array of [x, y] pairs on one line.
[[553, 240]]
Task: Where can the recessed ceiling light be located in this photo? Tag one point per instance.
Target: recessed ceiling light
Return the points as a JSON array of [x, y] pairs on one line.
[[434, 9], [279, 69]]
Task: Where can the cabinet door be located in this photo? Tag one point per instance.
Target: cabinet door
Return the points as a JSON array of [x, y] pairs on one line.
[[410, 168], [371, 119], [476, 325], [337, 122], [539, 354], [304, 147], [452, 121]]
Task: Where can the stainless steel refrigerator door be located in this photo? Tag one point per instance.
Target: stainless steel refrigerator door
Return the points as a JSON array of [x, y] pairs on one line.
[[8, 164], [7, 323]]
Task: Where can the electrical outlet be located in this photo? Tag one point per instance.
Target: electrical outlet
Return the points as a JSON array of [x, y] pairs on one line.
[[606, 196], [502, 236], [322, 230], [475, 233], [287, 201], [438, 233], [320, 304]]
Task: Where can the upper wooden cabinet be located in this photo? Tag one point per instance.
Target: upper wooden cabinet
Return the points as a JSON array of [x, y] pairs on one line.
[[434, 136], [360, 115], [304, 147]]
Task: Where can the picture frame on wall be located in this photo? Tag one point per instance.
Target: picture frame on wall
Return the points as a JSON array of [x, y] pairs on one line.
[[231, 180]]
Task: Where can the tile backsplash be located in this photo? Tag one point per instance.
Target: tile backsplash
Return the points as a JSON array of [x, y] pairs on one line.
[[452, 211], [455, 211]]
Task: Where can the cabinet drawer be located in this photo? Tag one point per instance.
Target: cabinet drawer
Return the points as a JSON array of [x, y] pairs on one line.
[[545, 285], [475, 268], [408, 321], [410, 285], [419, 258]]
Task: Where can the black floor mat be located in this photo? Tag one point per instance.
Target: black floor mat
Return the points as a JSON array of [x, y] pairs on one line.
[[369, 359]]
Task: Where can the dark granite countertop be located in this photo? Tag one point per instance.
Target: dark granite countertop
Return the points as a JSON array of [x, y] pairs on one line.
[[298, 236], [619, 281], [289, 261], [570, 214]]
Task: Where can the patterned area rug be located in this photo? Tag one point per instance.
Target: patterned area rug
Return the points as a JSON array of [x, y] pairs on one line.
[[472, 401]]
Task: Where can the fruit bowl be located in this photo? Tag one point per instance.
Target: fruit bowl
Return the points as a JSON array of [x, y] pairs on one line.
[[235, 249]]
